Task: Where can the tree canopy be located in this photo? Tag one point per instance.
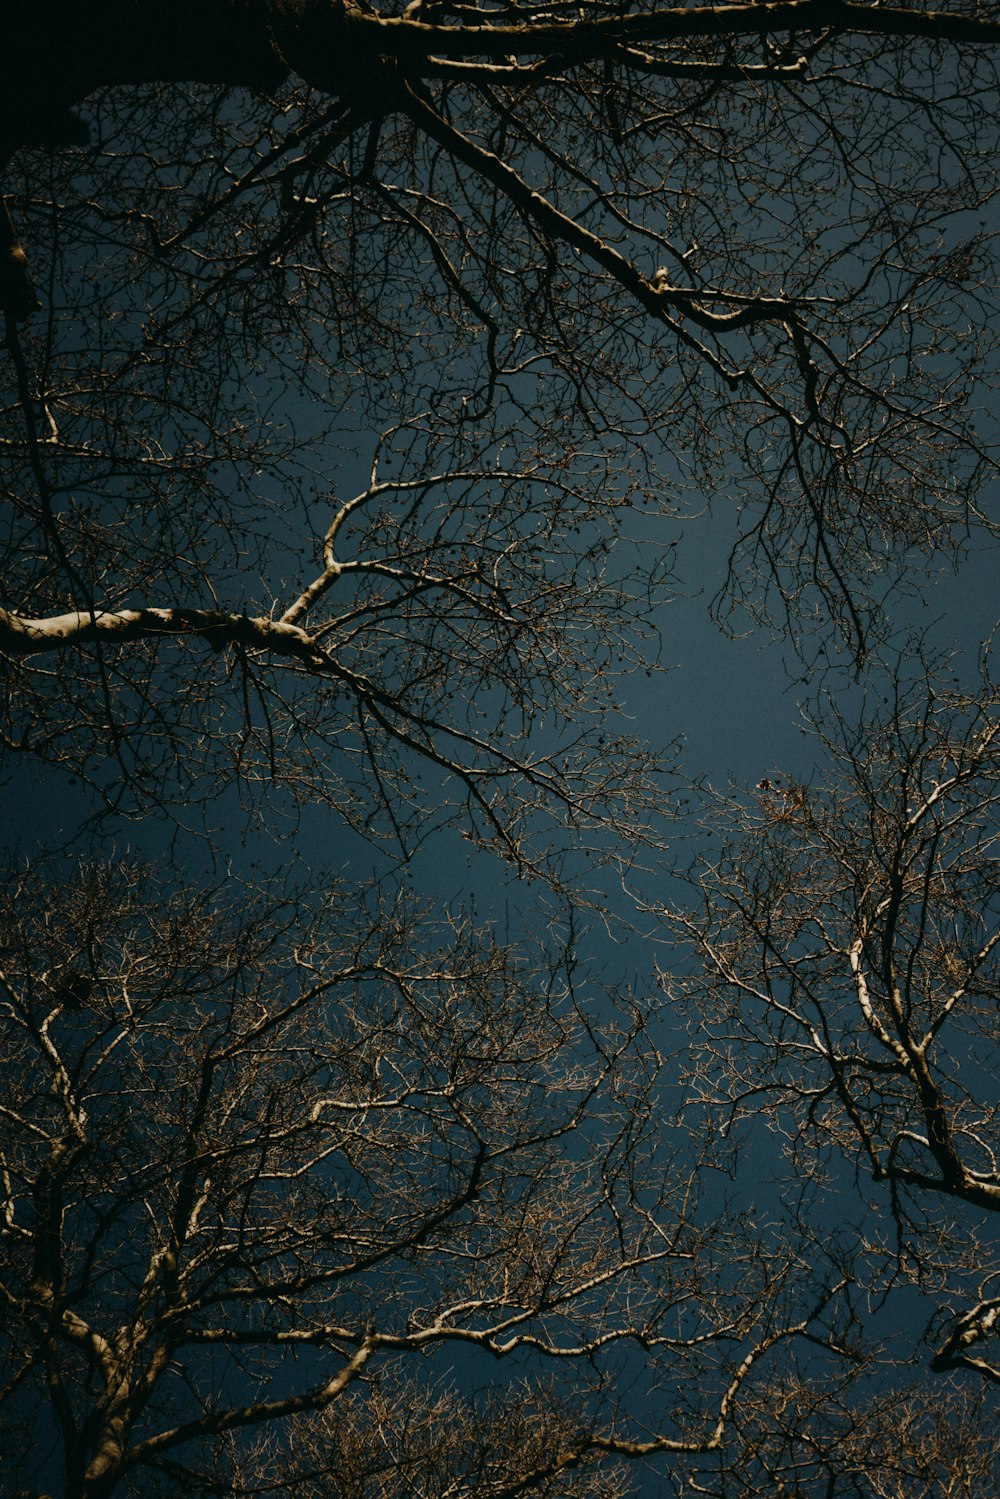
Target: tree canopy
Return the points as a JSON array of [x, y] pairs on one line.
[[368, 379], [849, 934]]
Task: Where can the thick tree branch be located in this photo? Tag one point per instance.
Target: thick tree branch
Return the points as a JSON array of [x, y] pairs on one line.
[[58, 52], [22, 636]]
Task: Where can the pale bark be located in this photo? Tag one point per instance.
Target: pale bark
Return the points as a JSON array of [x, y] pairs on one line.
[[24, 636]]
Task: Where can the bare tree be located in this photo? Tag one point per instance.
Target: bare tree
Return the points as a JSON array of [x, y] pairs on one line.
[[257, 1166], [799, 1437], [535, 268], [398, 677], [565, 233], [848, 935], [444, 1442]]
